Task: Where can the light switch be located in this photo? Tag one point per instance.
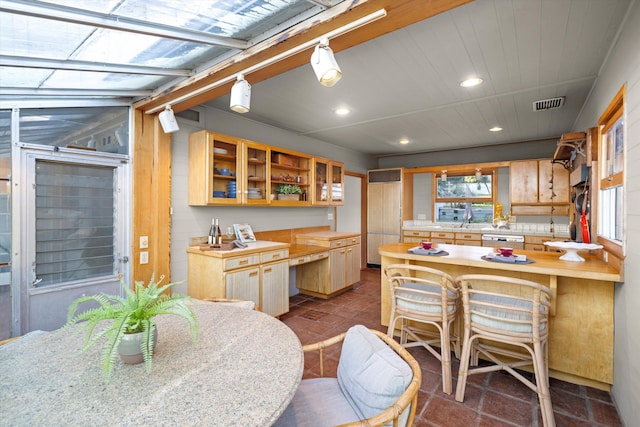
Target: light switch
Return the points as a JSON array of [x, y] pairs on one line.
[[144, 257], [144, 242]]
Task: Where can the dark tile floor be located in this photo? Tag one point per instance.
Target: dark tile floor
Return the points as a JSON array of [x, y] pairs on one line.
[[494, 399]]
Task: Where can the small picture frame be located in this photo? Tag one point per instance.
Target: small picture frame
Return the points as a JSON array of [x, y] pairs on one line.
[[244, 233]]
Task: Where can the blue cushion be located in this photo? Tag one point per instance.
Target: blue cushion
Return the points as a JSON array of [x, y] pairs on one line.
[[435, 301], [318, 402], [371, 375], [509, 316]]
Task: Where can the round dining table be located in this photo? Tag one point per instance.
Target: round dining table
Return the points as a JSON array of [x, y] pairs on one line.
[[243, 371]]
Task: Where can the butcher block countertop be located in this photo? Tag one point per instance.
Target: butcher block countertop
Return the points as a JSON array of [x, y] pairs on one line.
[[547, 263]]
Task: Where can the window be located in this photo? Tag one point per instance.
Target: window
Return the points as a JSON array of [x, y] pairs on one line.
[[464, 198], [611, 176]]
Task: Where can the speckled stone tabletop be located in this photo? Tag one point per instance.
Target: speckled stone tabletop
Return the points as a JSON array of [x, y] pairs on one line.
[[244, 371]]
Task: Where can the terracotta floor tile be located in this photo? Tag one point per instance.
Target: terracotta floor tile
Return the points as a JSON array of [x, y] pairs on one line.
[[493, 399]]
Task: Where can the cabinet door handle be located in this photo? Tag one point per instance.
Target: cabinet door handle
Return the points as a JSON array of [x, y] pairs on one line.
[[253, 274], [267, 270]]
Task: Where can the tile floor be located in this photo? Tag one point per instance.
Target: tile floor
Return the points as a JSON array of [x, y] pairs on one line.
[[494, 399]]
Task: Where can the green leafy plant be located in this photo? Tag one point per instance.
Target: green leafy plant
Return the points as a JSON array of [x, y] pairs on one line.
[[131, 314], [288, 189]]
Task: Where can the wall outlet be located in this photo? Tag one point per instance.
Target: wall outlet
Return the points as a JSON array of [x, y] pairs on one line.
[[144, 257], [144, 242], [422, 217], [330, 216]]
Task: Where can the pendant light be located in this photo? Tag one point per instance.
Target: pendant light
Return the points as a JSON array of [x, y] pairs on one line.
[[443, 176], [478, 174], [240, 95], [168, 120], [324, 64]]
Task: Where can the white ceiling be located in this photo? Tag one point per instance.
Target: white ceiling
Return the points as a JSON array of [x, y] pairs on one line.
[[406, 83]]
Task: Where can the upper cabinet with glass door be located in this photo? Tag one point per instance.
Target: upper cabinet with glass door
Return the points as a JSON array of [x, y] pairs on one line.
[[256, 173], [329, 182], [214, 168]]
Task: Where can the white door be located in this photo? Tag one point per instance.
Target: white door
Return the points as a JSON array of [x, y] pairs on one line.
[[72, 232]]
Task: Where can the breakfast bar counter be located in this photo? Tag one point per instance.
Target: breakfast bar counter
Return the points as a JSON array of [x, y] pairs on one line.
[[581, 321]]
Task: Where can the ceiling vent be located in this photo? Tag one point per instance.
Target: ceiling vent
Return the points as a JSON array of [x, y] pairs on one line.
[[548, 104]]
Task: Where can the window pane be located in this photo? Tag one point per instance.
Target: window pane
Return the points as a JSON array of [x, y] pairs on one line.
[[610, 219], [458, 212], [461, 187], [75, 217], [103, 129]]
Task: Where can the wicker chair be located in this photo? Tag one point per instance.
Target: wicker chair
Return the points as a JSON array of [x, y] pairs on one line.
[[377, 383], [235, 302], [425, 295], [511, 311]]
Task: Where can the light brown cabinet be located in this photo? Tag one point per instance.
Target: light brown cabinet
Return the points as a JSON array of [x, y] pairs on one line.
[[443, 237], [415, 236], [539, 187], [329, 182], [259, 274], [335, 274], [536, 243], [225, 170], [468, 239]]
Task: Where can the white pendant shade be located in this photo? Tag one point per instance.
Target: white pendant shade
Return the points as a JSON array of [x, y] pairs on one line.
[[240, 96], [324, 64], [168, 120]]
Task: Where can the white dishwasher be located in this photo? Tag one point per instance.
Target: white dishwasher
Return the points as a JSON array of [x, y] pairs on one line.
[[499, 240]]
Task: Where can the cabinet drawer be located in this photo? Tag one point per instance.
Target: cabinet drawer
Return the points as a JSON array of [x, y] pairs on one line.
[[416, 233], [534, 247], [442, 235], [445, 241], [468, 236], [469, 242], [352, 241], [318, 256], [274, 255], [241, 261], [300, 260], [537, 240]]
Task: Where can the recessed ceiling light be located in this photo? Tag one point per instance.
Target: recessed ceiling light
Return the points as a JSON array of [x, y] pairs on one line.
[[495, 129], [474, 81], [342, 111], [404, 141]]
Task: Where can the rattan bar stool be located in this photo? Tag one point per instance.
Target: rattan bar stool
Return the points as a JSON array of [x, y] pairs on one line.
[[511, 311], [425, 295]]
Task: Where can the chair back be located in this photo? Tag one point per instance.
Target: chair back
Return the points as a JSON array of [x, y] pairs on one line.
[[505, 307], [422, 291]]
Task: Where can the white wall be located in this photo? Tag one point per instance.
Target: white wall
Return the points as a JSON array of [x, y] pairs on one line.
[[623, 67], [191, 221]]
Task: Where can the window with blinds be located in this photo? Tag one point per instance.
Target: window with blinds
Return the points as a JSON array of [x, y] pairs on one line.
[[75, 222]]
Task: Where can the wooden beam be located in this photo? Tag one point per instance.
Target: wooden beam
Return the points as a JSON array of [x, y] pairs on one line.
[[400, 13]]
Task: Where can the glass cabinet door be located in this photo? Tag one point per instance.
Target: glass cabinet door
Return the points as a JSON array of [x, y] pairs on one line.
[[321, 190], [226, 167], [256, 173], [337, 186]]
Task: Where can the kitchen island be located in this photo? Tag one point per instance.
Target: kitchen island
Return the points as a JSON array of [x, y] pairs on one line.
[[581, 318]]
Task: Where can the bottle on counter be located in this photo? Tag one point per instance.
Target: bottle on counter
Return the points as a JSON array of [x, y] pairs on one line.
[[215, 237], [212, 232], [218, 233]]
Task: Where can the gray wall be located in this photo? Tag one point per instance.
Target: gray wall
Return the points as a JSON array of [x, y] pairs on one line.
[[191, 221], [623, 67]]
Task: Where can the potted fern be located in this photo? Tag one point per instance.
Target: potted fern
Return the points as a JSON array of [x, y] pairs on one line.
[[131, 330], [288, 192]]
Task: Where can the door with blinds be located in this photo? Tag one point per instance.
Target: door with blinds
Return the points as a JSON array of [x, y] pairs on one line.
[[72, 232]]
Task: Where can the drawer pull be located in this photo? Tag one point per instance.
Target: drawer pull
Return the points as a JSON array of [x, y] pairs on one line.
[[276, 256], [267, 270], [243, 261], [253, 274], [300, 260]]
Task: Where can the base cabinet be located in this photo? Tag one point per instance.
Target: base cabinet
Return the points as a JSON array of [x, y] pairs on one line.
[[258, 276], [335, 274]]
